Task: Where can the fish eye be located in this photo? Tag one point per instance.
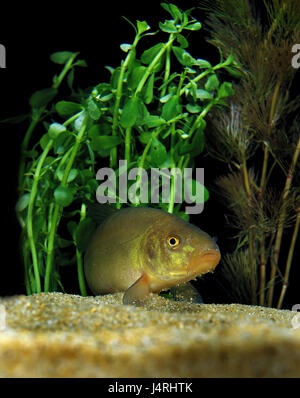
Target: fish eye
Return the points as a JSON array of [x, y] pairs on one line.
[[173, 241]]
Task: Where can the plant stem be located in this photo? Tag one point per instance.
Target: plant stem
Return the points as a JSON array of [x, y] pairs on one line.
[[289, 260], [36, 117], [264, 170], [127, 144], [260, 196], [203, 74], [26, 256], [282, 216], [262, 242], [58, 208], [250, 231], [30, 215], [198, 120], [262, 272], [65, 70], [80, 273], [24, 146], [152, 65], [143, 158], [172, 187], [167, 68], [113, 153]]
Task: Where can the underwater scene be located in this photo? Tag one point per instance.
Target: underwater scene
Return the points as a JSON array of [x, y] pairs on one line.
[[151, 192]]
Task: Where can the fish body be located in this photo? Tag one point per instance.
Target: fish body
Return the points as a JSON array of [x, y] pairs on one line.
[[142, 250]]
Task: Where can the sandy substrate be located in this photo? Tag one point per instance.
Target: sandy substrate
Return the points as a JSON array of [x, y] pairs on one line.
[[60, 335]]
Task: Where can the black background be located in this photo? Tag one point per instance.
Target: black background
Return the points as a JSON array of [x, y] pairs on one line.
[[30, 34]]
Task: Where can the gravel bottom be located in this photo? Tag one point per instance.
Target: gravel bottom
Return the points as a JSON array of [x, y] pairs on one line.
[[62, 335]]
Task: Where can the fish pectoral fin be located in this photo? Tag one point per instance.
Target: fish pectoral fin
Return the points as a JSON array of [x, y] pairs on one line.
[[186, 293], [136, 292]]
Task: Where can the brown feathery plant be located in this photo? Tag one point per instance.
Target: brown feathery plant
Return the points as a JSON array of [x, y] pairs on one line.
[[259, 138]]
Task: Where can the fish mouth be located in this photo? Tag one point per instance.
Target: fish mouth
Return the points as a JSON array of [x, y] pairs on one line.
[[205, 262]]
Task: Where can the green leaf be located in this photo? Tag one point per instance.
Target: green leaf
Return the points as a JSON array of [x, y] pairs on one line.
[[142, 27], [55, 129], [94, 131], [23, 202], [105, 98], [130, 112], [212, 83], [166, 97], [182, 41], [233, 71], [60, 142], [93, 110], [125, 47], [148, 92], [67, 108], [143, 114], [192, 90], [153, 121], [183, 56], [149, 54], [145, 137], [168, 26], [225, 90], [70, 78], [157, 153], [83, 234], [42, 97], [196, 146], [44, 141], [194, 26], [202, 63], [173, 10], [229, 60], [203, 94], [193, 108], [105, 142], [63, 195], [72, 174], [135, 76], [61, 57], [31, 154], [81, 62], [114, 79], [171, 108]]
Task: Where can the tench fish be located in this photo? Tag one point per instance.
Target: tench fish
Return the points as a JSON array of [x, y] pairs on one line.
[[139, 250]]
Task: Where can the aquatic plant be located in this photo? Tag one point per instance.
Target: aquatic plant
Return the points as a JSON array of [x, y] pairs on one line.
[[258, 138], [150, 112]]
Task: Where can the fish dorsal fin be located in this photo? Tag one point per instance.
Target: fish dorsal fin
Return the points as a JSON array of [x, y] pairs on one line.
[[99, 212]]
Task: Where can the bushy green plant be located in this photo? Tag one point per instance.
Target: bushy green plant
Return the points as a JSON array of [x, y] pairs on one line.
[[150, 113]]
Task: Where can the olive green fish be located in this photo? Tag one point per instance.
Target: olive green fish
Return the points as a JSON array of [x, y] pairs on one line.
[[141, 250]]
